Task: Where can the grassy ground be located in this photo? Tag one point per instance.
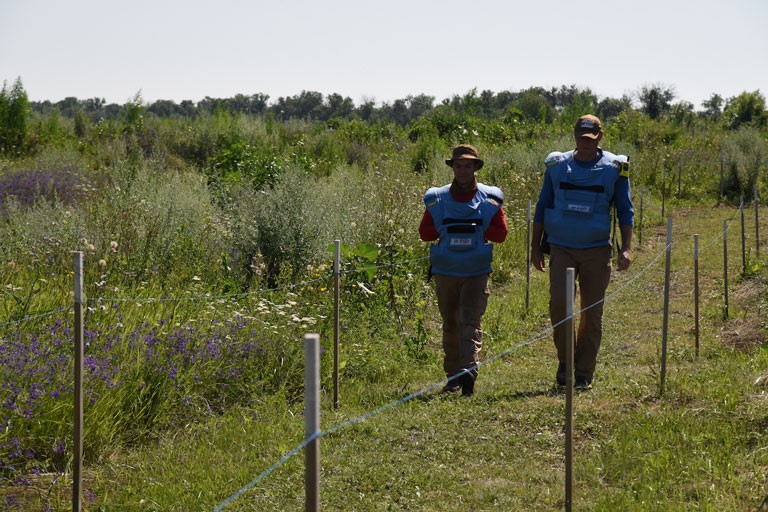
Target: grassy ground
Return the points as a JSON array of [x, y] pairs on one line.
[[699, 445]]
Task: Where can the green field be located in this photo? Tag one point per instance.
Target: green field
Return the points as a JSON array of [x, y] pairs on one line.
[[207, 244]]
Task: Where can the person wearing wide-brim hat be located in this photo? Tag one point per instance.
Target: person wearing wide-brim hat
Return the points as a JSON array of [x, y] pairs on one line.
[[462, 218], [465, 152], [573, 214]]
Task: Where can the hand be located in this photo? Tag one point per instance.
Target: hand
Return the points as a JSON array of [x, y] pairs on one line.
[[625, 258], [537, 258]]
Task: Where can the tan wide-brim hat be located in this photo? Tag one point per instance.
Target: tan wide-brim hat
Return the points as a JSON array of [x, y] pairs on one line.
[[465, 152]]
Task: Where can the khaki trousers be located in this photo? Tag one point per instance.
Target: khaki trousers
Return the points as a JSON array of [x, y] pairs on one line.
[[462, 302], [593, 273]]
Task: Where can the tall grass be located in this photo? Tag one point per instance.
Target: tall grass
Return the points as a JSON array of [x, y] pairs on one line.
[[207, 249]]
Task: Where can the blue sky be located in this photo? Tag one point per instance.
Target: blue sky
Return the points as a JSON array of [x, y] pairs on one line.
[[177, 50]]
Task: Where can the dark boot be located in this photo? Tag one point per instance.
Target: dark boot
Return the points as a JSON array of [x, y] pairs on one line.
[[467, 382], [452, 386], [560, 377], [583, 383]]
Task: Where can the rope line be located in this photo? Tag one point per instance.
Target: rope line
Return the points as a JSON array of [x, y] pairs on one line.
[[204, 297], [426, 389], [717, 239], [266, 472], [36, 315]]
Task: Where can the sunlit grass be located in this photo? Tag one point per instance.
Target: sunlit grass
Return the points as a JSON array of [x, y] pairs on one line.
[[198, 295]]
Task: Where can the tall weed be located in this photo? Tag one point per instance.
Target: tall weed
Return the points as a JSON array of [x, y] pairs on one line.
[[745, 156]]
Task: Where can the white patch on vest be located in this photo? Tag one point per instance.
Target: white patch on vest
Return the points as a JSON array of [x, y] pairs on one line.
[[581, 208], [461, 242]]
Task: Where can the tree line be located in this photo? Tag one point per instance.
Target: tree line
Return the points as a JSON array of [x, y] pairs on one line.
[[536, 106]]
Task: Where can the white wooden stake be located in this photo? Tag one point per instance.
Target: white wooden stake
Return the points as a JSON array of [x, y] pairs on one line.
[[528, 259], [312, 421], [725, 267], [77, 461], [696, 289], [666, 307], [336, 309]]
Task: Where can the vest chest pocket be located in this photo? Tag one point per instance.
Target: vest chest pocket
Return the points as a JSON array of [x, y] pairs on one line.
[[461, 243], [579, 202], [461, 237]]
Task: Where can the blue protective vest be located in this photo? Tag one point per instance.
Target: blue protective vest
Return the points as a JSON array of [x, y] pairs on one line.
[[461, 249], [581, 216]]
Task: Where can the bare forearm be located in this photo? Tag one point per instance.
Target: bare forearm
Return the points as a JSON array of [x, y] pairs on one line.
[[626, 237]]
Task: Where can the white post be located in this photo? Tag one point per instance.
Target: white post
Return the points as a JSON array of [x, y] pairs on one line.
[[312, 421], [696, 289], [77, 462], [757, 225], [663, 191], [725, 267], [528, 259], [640, 228], [336, 308], [743, 238], [665, 328]]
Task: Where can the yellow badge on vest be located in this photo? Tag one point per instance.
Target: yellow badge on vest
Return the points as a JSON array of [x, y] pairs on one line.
[[623, 168]]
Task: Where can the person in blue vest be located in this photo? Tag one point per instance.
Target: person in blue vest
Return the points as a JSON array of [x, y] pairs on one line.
[[573, 222], [463, 218]]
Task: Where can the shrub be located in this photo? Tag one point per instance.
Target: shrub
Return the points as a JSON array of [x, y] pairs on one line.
[[275, 237], [428, 149], [241, 163], [745, 154]]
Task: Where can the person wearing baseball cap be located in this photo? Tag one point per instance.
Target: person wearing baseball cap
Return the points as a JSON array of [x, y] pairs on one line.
[[572, 223], [462, 218]]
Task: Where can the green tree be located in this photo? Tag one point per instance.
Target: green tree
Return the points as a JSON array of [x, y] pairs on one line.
[[656, 100], [306, 105], [50, 129], [367, 109], [682, 113], [69, 106], [573, 103], [82, 124], [15, 114], [488, 104], [420, 105], [337, 106], [133, 114], [406, 110], [535, 105], [188, 108], [572, 98], [397, 112], [713, 107], [252, 105], [163, 108], [746, 109], [610, 108], [3, 114], [211, 106]]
